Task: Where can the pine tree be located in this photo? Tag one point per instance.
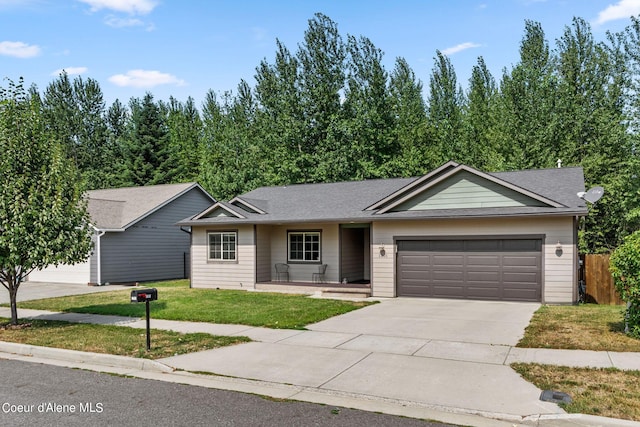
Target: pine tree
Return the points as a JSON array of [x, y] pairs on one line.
[[146, 157]]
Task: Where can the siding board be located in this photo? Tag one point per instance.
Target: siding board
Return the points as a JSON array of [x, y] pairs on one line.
[[154, 248]]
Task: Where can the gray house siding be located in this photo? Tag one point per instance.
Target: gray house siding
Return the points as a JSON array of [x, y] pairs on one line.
[[154, 248]]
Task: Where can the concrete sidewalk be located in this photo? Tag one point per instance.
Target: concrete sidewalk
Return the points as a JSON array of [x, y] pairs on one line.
[[444, 378]]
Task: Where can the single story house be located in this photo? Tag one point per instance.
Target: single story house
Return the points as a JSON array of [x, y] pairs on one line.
[[135, 236], [456, 232]]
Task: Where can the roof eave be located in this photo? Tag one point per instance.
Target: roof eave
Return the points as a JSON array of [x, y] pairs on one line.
[[380, 218]]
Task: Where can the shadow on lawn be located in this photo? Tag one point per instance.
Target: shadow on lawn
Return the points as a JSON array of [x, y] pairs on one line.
[[125, 309], [616, 327]]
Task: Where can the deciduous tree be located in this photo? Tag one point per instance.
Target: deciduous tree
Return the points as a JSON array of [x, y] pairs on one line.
[[43, 217]]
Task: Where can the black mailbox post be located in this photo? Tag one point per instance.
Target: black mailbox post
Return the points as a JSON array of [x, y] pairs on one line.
[[145, 295]]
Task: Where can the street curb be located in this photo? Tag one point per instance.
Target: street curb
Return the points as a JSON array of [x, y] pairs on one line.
[[585, 420], [305, 394], [85, 357]]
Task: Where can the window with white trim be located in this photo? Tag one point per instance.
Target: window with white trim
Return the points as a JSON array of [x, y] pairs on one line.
[[222, 245], [304, 246]]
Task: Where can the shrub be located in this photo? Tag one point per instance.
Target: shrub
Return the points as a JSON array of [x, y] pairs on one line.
[[625, 268]]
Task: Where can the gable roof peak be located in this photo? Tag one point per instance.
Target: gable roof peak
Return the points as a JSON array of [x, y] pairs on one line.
[[444, 173]]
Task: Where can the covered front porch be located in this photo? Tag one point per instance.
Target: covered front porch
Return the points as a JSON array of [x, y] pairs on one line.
[[334, 257]]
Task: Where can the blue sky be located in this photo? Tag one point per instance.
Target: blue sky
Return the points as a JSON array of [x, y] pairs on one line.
[[186, 47]]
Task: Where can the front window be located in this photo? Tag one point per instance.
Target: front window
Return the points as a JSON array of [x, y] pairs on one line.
[[222, 246], [304, 246]]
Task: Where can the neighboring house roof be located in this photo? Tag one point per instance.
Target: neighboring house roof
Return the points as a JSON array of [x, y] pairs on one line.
[[119, 208], [520, 193]]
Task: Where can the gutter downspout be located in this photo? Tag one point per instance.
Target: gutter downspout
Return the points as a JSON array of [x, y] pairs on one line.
[[98, 257], [190, 233]]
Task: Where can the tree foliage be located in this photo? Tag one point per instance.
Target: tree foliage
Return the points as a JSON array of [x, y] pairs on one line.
[[625, 268], [328, 110], [43, 216]]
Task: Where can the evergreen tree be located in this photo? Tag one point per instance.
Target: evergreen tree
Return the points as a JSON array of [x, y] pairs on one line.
[[146, 156]]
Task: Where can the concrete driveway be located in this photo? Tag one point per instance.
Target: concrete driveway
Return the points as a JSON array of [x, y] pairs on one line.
[[435, 353], [480, 322], [39, 290]]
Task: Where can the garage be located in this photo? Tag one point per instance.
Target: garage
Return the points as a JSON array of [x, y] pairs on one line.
[[77, 273], [498, 269]]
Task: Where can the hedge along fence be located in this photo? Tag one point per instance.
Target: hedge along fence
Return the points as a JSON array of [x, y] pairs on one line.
[[599, 281]]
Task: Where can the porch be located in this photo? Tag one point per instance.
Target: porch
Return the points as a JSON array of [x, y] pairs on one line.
[[350, 290]]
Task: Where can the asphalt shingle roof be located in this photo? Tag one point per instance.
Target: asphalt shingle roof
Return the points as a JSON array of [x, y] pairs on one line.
[[118, 208], [347, 201]]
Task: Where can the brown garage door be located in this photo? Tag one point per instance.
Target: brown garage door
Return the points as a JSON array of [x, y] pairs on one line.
[[488, 269]]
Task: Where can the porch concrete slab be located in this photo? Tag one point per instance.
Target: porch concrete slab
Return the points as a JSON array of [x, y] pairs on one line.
[[466, 385], [574, 358], [380, 344], [625, 361], [318, 339], [483, 322], [471, 352], [285, 364]]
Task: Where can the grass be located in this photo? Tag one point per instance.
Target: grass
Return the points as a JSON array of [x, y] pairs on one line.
[[176, 301], [108, 339], [603, 392], [582, 327]]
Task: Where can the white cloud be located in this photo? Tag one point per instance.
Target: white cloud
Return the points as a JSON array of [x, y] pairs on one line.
[[19, 49], [622, 10], [145, 79], [114, 21], [459, 48], [71, 71], [133, 7]]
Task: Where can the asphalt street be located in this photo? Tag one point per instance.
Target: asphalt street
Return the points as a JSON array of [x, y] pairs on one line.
[[56, 396]]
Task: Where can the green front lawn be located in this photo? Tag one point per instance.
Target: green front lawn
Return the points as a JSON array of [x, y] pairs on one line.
[[603, 392], [176, 301], [580, 327], [107, 339]]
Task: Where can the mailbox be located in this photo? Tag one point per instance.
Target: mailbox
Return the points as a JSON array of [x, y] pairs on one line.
[[144, 295]]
